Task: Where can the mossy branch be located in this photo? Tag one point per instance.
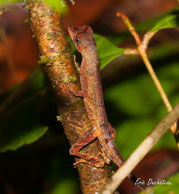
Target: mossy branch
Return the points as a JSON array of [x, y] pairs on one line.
[[48, 28]]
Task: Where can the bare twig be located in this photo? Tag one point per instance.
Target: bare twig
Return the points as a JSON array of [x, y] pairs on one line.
[[141, 151], [147, 37], [155, 79], [142, 47], [131, 52], [130, 26]]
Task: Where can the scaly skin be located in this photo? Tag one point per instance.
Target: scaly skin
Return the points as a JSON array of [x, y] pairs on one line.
[[93, 99]]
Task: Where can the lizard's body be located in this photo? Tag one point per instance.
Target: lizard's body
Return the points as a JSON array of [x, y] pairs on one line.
[[91, 90]]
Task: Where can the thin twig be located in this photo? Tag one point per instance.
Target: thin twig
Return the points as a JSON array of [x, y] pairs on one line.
[[146, 39], [131, 52], [142, 52], [141, 151], [155, 79], [142, 47], [130, 26]]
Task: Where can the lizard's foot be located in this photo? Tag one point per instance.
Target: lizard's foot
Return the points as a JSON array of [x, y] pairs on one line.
[[93, 161]]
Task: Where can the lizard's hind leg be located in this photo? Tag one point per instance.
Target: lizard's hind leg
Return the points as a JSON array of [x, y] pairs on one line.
[[75, 149]]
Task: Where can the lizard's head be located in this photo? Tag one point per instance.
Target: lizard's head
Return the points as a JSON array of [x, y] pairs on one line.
[[81, 36]]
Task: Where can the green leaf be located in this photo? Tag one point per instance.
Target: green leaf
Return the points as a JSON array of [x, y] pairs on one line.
[[170, 20], [132, 96], [19, 122], [106, 50], [168, 188], [59, 5], [127, 136], [4, 2], [138, 96], [65, 186], [34, 83], [140, 108]]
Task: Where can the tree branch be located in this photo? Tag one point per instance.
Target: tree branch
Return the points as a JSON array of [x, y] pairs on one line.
[[49, 32]]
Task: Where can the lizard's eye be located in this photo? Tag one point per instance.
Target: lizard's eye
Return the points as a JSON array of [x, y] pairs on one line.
[[76, 40]]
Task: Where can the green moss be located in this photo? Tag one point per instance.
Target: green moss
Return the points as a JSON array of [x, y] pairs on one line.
[[49, 36], [59, 118], [66, 80], [73, 78], [58, 33], [46, 60], [26, 20]]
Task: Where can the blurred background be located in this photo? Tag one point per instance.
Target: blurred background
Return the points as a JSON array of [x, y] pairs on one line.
[[132, 102]]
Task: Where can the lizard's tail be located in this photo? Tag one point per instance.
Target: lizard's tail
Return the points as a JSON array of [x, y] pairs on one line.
[[114, 155]]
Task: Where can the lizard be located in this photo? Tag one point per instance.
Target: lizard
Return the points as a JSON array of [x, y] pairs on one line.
[[91, 91]]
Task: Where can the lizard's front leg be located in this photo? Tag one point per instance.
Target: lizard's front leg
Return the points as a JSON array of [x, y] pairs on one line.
[[71, 91]]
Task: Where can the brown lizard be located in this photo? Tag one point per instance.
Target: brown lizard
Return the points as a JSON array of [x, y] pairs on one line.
[[91, 91]]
